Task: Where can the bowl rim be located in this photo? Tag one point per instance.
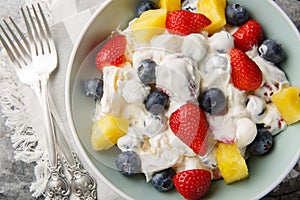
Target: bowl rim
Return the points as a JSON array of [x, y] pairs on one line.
[[296, 158], [75, 134], [78, 143]]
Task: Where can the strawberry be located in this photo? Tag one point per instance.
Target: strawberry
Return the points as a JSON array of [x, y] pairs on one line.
[[192, 184], [112, 53], [245, 74], [189, 124], [248, 35], [184, 22]]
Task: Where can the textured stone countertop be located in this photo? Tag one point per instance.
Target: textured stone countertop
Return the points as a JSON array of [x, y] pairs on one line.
[[16, 176]]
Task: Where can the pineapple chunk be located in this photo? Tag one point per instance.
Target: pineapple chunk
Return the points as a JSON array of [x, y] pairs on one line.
[[287, 101], [232, 165], [149, 24], [215, 11], [170, 5], [107, 130]]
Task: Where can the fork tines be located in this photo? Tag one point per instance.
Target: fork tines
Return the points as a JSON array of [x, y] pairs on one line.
[[16, 46], [41, 31]]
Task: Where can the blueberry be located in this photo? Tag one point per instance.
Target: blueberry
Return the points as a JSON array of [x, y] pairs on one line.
[[262, 143], [156, 102], [163, 180], [236, 14], [213, 101], [271, 51], [128, 163], [93, 88], [144, 6], [146, 71]]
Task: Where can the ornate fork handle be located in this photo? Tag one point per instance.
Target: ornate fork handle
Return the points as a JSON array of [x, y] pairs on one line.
[[57, 186], [82, 184]]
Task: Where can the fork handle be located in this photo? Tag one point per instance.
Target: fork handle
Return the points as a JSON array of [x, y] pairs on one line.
[[83, 185], [57, 185], [50, 134]]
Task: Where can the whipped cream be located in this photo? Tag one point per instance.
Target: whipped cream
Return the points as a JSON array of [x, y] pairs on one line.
[[274, 79], [245, 132], [195, 47], [186, 66], [178, 77], [221, 42]]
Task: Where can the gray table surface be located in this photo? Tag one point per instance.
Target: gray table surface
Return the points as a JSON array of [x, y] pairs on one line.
[[16, 176]]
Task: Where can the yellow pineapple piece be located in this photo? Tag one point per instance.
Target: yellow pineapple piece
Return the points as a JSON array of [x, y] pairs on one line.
[[149, 24], [215, 11], [232, 165], [287, 101], [170, 5], [107, 130]]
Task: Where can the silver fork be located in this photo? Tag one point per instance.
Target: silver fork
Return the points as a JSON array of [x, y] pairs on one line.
[[44, 62], [34, 62], [45, 56]]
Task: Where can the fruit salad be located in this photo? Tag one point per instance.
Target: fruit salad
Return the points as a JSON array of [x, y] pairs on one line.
[[188, 92]]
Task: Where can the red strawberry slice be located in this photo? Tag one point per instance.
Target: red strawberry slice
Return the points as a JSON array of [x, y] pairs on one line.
[[113, 52], [189, 124], [248, 35], [182, 22], [192, 184], [245, 74]]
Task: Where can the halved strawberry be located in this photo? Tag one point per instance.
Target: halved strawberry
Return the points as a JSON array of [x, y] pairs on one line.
[[184, 22], [248, 35], [113, 52], [245, 74], [189, 124], [192, 184]]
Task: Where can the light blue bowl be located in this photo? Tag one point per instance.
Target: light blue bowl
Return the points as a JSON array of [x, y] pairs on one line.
[[265, 172]]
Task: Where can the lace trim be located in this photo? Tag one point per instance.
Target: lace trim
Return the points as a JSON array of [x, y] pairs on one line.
[[17, 119]]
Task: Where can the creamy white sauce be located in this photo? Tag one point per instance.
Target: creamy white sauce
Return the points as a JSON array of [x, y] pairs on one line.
[[186, 65]]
